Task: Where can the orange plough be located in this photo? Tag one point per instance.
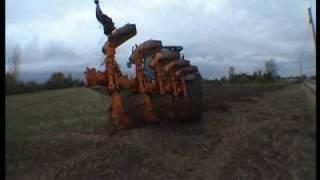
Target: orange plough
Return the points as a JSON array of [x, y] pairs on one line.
[[166, 86]]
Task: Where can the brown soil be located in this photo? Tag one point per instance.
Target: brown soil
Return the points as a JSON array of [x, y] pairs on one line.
[[246, 132]]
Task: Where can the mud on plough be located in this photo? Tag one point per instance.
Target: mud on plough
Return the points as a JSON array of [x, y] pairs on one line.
[[166, 87]]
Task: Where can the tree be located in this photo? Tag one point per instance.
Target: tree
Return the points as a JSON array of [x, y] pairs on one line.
[[69, 80], [259, 72], [223, 79], [231, 73], [271, 68], [255, 76], [16, 61], [56, 81], [11, 78]]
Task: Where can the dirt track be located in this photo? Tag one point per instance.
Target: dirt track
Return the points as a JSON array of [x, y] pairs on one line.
[[247, 132]]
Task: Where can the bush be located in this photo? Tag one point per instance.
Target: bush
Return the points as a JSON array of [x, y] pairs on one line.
[[56, 81]]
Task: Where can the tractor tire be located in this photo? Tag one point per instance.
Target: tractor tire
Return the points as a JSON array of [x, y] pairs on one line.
[[134, 107], [194, 91], [167, 108]]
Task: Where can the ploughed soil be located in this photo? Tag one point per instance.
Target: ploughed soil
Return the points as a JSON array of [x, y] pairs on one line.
[[247, 131]]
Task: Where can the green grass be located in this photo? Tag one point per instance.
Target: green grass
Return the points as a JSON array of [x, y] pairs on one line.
[[42, 113]]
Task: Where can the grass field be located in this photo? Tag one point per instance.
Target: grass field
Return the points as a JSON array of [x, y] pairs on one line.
[[246, 132]]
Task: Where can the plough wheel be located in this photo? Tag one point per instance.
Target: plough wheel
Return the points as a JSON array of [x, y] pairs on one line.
[[167, 107]]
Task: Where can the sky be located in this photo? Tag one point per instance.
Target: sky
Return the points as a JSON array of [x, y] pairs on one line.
[[59, 35]]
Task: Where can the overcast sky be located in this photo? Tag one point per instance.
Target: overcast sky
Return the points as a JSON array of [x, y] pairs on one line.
[[59, 35]]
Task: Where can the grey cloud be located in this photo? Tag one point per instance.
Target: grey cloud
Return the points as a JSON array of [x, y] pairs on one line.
[[53, 56], [56, 50], [22, 11], [215, 34]]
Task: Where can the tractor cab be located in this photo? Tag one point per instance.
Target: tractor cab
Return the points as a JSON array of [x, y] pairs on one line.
[[150, 75], [172, 48], [149, 49]]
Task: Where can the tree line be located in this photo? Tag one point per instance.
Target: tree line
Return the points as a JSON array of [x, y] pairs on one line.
[[58, 80], [270, 74]]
